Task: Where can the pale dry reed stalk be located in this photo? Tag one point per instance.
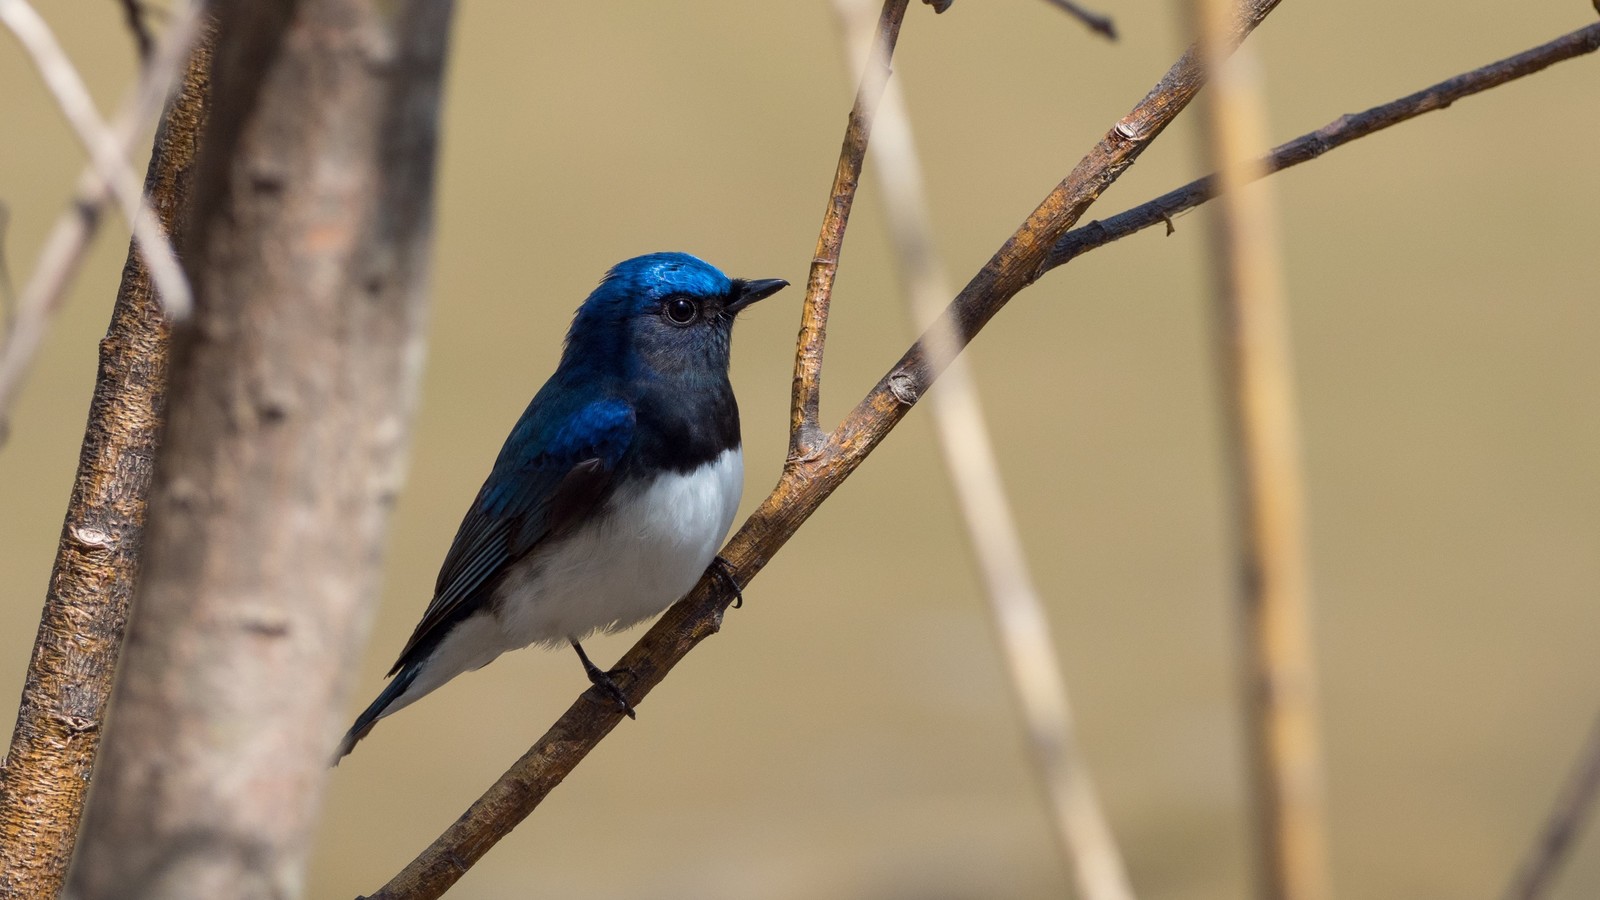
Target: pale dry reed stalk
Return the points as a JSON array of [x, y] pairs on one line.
[[1083, 834], [1253, 357]]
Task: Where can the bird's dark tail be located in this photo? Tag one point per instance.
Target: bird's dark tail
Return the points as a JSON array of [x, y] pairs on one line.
[[374, 712]]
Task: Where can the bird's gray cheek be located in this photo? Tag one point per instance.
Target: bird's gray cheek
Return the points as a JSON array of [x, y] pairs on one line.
[[662, 352]]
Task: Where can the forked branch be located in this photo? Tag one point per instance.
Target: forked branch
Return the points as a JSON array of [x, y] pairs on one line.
[[1335, 134], [808, 479], [805, 434]]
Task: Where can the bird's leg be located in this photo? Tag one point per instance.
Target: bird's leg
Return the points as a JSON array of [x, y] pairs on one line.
[[724, 571], [603, 681]]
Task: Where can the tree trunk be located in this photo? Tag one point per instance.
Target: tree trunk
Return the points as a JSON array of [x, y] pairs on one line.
[[291, 395], [86, 607]]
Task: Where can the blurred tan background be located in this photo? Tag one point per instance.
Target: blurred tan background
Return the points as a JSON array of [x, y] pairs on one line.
[[849, 734]]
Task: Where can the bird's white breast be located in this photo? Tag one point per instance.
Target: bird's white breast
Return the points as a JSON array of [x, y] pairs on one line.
[[640, 555]]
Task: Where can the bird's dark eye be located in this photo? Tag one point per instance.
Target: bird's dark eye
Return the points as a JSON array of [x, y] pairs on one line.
[[681, 311]]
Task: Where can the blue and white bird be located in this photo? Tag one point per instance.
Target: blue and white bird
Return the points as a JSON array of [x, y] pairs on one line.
[[613, 492]]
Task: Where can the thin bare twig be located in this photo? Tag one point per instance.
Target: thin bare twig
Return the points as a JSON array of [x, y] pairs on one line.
[[1098, 23], [68, 242], [1566, 820], [806, 482], [805, 434], [134, 12], [107, 152], [1084, 836], [1335, 134], [1253, 356]]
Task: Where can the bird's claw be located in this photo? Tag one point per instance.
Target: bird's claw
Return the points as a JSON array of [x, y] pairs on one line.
[[724, 571], [605, 683], [608, 686]]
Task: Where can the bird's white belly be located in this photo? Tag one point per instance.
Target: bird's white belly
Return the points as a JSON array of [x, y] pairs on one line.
[[639, 557]]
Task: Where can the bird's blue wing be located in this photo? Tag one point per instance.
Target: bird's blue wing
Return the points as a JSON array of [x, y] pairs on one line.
[[554, 470]]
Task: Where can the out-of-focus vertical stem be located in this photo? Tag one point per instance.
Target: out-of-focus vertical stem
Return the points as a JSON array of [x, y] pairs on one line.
[[1084, 837], [1253, 356], [101, 141], [74, 659], [67, 244]]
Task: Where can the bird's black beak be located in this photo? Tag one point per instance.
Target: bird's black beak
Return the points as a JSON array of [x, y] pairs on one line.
[[745, 293]]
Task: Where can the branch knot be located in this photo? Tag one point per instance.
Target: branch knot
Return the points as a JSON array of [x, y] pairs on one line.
[[903, 385]]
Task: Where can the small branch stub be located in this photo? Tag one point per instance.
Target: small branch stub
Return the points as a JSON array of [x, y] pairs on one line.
[[90, 538]]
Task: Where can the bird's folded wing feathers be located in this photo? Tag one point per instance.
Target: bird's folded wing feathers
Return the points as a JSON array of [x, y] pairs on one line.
[[555, 469]]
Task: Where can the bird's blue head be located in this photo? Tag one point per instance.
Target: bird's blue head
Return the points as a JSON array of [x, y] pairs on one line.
[[668, 314]]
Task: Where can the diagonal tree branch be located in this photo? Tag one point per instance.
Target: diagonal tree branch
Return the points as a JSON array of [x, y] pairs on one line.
[[805, 483], [1335, 134]]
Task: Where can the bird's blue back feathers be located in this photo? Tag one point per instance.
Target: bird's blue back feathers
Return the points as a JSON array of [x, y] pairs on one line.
[[560, 431]]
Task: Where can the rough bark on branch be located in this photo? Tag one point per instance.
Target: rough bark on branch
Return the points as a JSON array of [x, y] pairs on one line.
[[806, 482], [291, 397], [69, 676]]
